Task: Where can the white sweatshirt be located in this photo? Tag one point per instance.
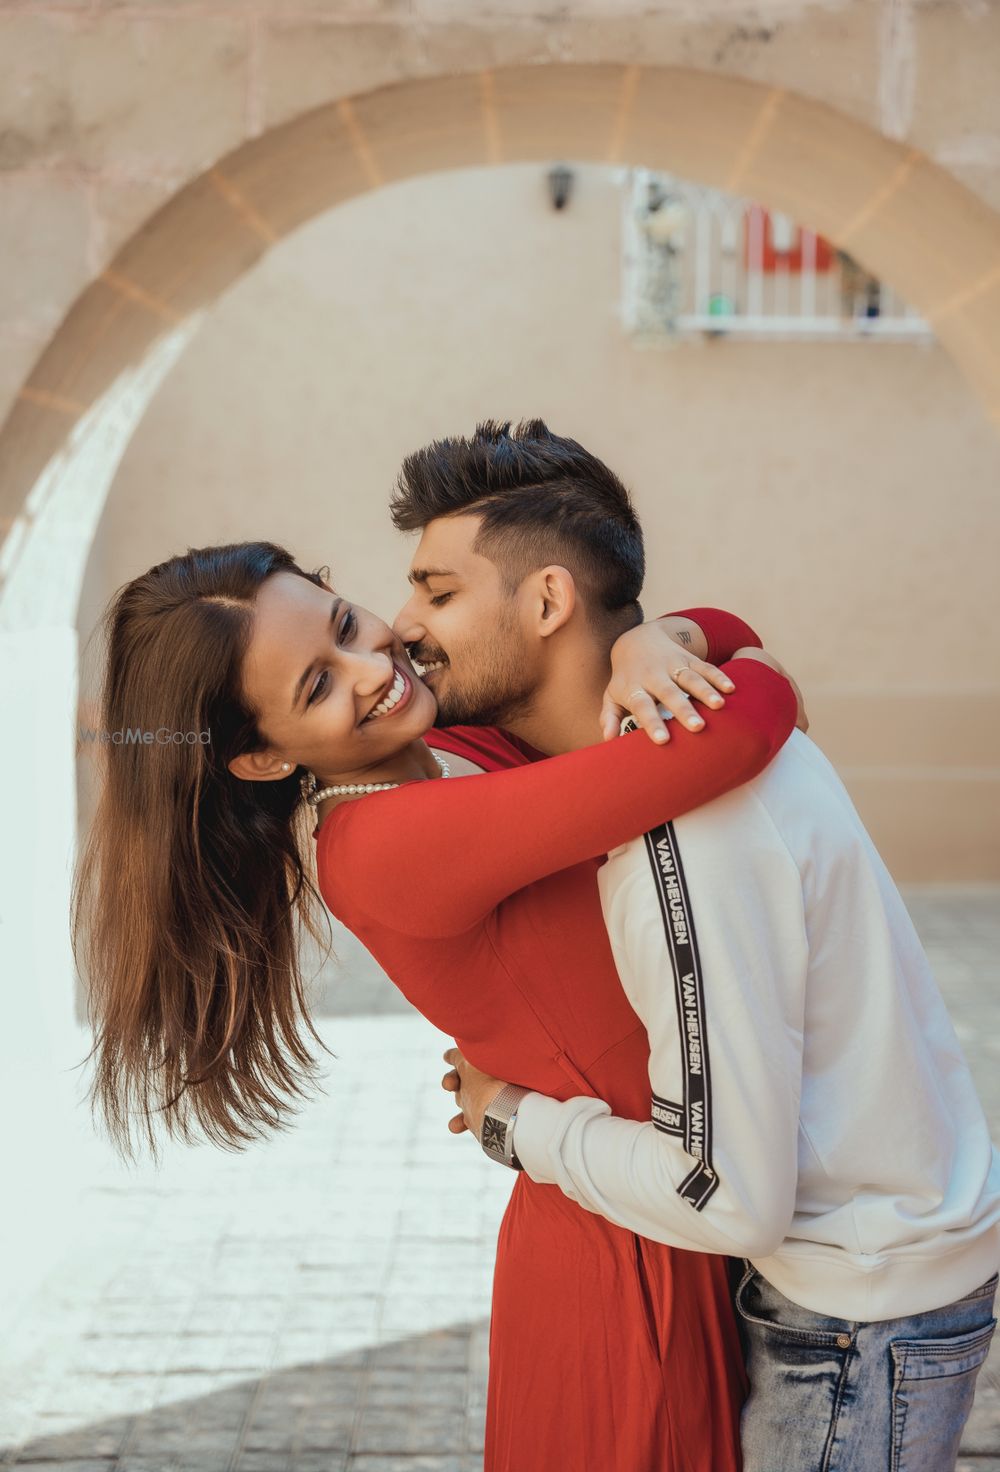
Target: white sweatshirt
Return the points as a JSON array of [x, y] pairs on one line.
[[811, 1107]]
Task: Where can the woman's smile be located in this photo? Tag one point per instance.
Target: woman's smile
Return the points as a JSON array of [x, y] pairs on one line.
[[396, 697]]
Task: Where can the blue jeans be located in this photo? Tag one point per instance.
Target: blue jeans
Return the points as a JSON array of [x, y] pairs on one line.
[[831, 1395]]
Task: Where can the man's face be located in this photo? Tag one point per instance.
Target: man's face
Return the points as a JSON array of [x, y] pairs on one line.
[[466, 630]]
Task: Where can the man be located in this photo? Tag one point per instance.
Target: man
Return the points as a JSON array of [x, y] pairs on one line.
[[811, 1110]]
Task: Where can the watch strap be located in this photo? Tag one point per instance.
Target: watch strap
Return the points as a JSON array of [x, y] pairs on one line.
[[497, 1135]]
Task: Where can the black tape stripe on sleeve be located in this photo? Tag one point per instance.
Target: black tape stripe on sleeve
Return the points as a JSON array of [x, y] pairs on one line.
[[668, 1116], [682, 944]]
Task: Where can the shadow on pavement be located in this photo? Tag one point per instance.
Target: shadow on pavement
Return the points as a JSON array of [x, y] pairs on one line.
[[415, 1404]]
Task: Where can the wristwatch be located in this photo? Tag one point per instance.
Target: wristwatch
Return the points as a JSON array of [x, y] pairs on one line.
[[497, 1134]]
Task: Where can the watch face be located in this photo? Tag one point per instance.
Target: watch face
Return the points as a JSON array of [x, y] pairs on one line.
[[494, 1135]]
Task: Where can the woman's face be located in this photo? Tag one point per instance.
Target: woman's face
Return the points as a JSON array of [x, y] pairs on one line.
[[332, 685]]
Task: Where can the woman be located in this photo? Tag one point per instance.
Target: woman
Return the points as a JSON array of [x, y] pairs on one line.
[[607, 1351]]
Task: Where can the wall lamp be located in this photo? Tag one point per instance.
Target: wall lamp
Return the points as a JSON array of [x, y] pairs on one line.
[[560, 185]]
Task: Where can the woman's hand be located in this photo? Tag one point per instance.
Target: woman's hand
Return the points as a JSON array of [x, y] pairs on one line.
[[650, 667]]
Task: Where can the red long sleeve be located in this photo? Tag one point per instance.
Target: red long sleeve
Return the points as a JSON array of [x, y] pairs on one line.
[[433, 858], [725, 632]]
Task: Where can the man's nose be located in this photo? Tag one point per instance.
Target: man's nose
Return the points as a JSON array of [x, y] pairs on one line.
[[406, 626]]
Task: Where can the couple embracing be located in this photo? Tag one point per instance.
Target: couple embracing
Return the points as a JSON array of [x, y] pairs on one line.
[[755, 1220]]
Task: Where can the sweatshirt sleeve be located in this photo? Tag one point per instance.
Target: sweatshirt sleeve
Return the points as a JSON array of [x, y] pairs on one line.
[[745, 909], [434, 858]]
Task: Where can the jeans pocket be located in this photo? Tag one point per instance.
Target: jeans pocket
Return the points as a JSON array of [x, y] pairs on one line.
[[798, 1363], [934, 1383], [762, 1307]]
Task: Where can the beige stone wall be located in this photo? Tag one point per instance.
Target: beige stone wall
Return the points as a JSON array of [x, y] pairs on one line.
[[108, 108], [841, 496]]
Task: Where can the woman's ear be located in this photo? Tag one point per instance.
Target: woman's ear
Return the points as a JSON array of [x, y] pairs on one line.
[[260, 766]]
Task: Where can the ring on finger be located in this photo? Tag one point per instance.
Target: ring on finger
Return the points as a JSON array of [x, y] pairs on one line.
[[675, 675], [638, 692]]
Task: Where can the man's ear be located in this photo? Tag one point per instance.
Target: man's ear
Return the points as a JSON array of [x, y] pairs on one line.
[[260, 766], [557, 590]]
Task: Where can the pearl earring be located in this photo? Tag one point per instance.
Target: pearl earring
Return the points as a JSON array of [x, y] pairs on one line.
[[286, 766]]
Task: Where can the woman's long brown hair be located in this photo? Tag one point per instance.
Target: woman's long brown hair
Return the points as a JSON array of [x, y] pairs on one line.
[[191, 893]]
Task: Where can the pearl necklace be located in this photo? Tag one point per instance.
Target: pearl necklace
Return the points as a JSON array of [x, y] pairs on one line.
[[343, 789]]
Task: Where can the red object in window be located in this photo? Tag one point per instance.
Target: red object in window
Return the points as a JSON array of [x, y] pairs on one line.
[[762, 252]]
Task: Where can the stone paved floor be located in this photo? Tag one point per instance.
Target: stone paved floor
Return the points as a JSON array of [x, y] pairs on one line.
[[320, 1302]]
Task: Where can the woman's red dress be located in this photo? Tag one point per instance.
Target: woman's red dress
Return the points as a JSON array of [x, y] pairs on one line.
[[608, 1352]]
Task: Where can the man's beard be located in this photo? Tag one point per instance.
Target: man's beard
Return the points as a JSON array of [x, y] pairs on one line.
[[496, 693]]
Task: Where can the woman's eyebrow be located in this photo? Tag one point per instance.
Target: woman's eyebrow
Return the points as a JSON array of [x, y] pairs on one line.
[[337, 605]]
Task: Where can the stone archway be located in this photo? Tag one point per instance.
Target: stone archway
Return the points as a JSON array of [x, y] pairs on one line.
[[904, 217]]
